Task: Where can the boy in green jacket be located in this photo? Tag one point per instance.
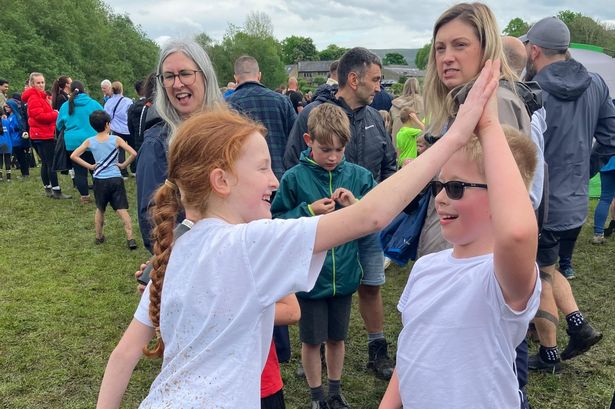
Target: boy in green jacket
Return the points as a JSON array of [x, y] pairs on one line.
[[321, 183]]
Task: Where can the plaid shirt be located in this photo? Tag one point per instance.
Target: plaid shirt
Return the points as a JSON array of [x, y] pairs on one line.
[[273, 110]]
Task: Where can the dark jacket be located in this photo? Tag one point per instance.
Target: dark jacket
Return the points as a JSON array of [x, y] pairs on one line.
[[370, 145], [137, 117], [151, 172], [273, 110], [382, 100], [306, 183], [578, 109]]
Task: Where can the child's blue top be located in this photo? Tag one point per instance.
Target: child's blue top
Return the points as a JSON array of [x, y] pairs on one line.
[[105, 154]]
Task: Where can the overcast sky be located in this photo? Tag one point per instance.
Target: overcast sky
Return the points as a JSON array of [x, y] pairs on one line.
[[347, 23]]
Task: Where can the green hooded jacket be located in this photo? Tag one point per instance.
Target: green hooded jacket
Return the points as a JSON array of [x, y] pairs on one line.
[[302, 185]]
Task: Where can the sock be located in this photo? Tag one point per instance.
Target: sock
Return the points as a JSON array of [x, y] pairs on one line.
[[317, 393], [575, 320], [55, 188], [374, 336], [47, 186], [548, 354], [334, 387]]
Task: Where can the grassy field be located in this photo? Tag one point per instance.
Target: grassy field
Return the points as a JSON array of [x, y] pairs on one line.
[[65, 302]]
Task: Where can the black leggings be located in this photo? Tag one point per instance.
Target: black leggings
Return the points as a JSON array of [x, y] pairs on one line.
[[6, 159], [81, 173], [45, 150], [22, 157]]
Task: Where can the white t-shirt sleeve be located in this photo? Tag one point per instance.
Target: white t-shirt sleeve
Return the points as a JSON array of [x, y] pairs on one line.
[[280, 255], [495, 291], [142, 312]]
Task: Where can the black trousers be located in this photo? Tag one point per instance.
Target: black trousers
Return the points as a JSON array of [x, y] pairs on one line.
[[22, 158], [45, 150], [81, 173]]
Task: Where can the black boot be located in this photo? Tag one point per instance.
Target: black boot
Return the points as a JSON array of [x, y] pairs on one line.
[[379, 361], [57, 194], [609, 230], [581, 340]]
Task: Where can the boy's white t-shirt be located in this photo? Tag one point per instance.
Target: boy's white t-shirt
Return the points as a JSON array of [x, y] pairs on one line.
[[457, 345], [217, 308]]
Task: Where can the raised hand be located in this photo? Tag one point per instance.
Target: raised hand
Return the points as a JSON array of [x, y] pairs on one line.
[[471, 111]]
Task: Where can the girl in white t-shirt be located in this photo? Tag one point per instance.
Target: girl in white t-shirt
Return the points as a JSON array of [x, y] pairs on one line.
[[212, 294]]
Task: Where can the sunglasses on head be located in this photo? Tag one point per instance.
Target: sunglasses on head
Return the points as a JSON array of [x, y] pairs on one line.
[[454, 188]]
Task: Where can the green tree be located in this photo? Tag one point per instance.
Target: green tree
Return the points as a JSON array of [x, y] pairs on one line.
[[422, 57], [253, 39], [295, 49], [332, 52], [516, 27], [394, 59], [318, 81], [83, 39]]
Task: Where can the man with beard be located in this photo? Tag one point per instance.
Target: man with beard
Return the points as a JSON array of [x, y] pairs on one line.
[[359, 73], [578, 110]]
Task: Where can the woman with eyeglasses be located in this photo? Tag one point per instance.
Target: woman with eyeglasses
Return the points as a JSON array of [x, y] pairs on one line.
[[186, 84]]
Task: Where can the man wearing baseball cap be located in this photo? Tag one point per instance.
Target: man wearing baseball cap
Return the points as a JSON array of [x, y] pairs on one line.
[[578, 109]]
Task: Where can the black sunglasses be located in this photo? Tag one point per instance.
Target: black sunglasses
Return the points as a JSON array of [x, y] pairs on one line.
[[454, 188]]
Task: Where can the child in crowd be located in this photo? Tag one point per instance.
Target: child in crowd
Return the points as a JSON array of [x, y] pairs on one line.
[[464, 310], [321, 183], [388, 121], [421, 144], [405, 140], [6, 148], [15, 129], [108, 182], [213, 312]]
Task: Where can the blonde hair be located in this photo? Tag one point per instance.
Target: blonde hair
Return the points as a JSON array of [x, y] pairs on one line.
[[326, 121], [521, 146], [388, 120], [204, 142], [480, 17], [117, 87], [411, 87]]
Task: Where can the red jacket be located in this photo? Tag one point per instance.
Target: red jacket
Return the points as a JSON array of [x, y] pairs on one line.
[[41, 117]]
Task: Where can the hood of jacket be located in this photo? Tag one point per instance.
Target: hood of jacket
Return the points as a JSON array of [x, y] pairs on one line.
[[82, 100], [566, 80], [353, 115], [32, 92], [306, 159]]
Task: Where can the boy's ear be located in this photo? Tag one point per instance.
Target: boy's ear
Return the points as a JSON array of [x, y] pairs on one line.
[[219, 182], [307, 139]]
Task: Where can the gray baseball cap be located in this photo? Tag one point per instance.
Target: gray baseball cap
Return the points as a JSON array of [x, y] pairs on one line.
[[550, 32]]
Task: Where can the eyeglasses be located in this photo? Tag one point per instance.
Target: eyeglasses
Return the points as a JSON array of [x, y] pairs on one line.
[[186, 77], [454, 188]]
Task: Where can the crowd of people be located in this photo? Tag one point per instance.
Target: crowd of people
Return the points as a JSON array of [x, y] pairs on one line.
[[266, 209]]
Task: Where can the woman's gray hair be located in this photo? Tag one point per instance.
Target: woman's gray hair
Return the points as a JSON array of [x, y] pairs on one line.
[[195, 52]]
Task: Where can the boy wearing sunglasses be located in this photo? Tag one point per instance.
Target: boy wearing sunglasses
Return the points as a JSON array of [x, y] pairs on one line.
[[465, 309]]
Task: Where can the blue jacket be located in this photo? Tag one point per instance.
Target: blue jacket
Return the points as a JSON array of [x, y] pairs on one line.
[[77, 126], [579, 110], [306, 183], [151, 172]]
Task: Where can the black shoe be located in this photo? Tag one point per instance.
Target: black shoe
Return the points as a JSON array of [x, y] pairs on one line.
[[48, 192], [536, 363], [57, 194], [319, 404], [132, 244], [379, 361], [99, 240], [581, 341], [609, 230], [338, 402]]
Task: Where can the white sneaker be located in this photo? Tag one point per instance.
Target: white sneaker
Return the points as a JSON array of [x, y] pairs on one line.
[[387, 262]]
